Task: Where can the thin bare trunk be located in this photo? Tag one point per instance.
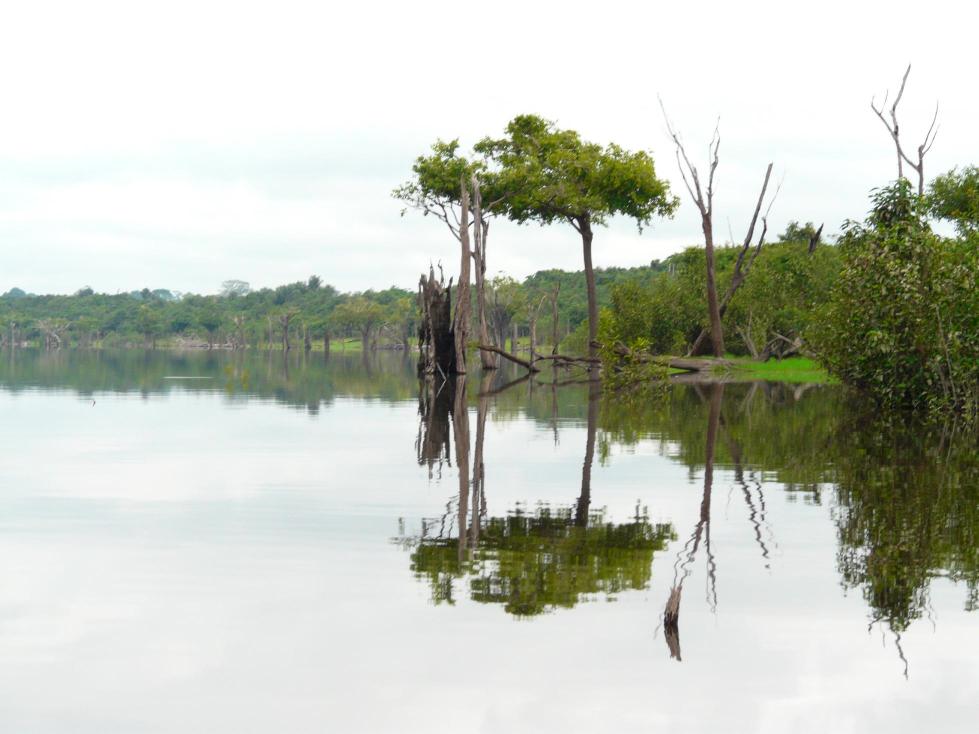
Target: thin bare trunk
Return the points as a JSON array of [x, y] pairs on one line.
[[462, 315], [481, 233], [554, 318]]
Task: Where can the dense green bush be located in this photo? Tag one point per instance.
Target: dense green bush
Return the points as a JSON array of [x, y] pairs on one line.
[[903, 319]]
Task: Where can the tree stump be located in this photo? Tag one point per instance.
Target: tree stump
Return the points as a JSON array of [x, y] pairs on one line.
[[436, 338]]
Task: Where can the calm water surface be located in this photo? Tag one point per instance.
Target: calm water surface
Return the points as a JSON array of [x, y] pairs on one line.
[[230, 543]]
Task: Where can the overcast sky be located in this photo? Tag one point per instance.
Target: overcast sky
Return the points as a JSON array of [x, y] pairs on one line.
[[177, 145]]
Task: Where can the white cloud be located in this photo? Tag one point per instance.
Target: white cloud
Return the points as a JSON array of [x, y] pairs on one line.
[[201, 141]]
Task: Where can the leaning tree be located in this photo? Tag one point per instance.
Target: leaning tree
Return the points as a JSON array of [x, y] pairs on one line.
[[552, 175]]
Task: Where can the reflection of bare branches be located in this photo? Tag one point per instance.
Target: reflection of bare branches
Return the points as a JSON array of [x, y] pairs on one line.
[[681, 568], [900, 652], [503, 388], [554, 402], [762, 514], [897, 640], [753, 519], [734, 448], [432, 441]]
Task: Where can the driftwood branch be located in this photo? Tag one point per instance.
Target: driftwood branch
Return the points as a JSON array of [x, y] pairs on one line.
[[529, 366]]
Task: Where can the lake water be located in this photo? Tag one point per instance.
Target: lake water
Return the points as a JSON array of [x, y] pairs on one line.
[[217, 542]]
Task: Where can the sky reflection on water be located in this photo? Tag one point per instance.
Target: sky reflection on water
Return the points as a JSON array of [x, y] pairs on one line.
[[270, 549]]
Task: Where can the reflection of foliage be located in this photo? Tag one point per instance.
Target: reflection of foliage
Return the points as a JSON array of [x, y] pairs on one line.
[[533, 563], [303, 380], [907, 512]]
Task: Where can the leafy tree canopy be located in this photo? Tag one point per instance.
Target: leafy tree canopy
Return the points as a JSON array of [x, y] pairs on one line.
[[954, 196], [549, 174]]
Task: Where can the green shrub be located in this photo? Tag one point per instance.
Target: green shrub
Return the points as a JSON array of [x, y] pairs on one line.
[[903, 318]]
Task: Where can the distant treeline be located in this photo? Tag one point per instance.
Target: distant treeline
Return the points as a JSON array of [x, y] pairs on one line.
[[667, 296], [304, 313]]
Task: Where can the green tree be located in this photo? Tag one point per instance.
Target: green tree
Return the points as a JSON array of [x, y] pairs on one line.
[[361, 315], [954, 196], [903, 320], [552, 175], [795, 232], [231, 288]]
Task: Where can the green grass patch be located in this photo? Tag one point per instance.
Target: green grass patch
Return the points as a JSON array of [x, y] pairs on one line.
[[792, 369]]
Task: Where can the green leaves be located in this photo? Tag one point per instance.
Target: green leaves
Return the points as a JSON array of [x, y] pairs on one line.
[[903, 320], [547, 174], [954, 197]]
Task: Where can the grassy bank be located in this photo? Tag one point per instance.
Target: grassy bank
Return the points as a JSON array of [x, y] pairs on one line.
[[793, 369]]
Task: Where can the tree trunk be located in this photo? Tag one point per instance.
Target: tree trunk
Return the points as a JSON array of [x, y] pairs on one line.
[[713, 307], [514, 331], [462, 315], [326, 342], [481, 233], [435, 338], [307, 344], [584, 226], [554, 319]]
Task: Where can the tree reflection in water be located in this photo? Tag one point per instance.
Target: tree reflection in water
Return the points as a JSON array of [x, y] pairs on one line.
[[904, 498], [529, 561]]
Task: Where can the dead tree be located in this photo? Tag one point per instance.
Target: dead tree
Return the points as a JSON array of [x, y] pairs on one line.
[[532, 324], [460, 324], [480, 232], [894, 129], [554, 317], [53, 330], [239, 332], [436, 340], [284, 318], [814, 240], [447, 207], [742, 266], [704, 199]]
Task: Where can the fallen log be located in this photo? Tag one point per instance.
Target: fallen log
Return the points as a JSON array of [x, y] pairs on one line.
[[567, 358], [689, 364], [529, 366]]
